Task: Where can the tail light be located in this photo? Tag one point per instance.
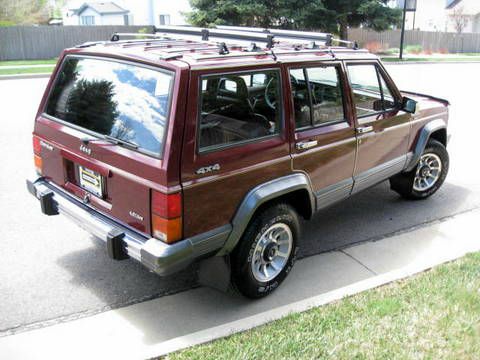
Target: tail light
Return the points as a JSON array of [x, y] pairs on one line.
[[166, 216], [37, 159]]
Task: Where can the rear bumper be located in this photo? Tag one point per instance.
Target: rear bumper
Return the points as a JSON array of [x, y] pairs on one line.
[[122, 242]]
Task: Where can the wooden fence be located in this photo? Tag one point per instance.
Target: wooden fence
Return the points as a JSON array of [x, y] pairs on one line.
[[434, 41], [46, 42]]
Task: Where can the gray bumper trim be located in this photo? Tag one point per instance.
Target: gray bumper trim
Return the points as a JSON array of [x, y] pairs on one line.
[[164, 259]]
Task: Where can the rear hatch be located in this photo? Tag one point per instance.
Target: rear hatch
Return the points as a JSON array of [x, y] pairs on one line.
[[102, 132]]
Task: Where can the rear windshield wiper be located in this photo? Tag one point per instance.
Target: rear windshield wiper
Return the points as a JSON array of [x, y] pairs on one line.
[[112, 140], [120, 141]]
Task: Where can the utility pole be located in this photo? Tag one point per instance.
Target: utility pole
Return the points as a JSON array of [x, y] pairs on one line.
[[402, 36]]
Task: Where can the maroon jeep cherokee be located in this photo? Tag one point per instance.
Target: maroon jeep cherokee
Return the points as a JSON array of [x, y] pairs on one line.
[[178, 149]]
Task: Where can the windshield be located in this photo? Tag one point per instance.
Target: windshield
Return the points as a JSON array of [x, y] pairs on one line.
[[120, 100]]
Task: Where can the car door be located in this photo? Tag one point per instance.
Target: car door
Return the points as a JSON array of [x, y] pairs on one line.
[[324, 143], [235, 139], [382, 128]]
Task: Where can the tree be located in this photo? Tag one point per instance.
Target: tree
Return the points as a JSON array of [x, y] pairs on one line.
[[24, 12], [460, 20], [328, 15]]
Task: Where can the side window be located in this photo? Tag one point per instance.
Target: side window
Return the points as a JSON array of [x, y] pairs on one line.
[[370, 92], [317, 96], [235, 108]]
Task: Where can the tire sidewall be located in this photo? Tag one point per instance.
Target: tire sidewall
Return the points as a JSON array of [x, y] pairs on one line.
[[244, 279], [439, 150]]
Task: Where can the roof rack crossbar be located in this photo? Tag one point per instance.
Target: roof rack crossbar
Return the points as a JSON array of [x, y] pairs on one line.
[[327, 38], [206, 34]]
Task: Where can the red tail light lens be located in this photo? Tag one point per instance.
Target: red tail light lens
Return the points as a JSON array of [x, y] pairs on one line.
[[167, 206], [36, 145], [166, 216]]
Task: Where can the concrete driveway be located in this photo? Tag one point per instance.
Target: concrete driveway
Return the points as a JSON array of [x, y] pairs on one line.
[[51, 270]]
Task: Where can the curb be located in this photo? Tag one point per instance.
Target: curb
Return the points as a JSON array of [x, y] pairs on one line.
[[138, 324], [428, 62], [25, 76]]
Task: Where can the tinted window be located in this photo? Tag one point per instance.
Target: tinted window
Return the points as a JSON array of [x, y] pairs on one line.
[[237, 108], [370, 92], [127, 102], [317, 96]]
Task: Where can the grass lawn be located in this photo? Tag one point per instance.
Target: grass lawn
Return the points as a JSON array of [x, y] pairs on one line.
[[433, 315], [28, 62], [464, 57], [26, 70]]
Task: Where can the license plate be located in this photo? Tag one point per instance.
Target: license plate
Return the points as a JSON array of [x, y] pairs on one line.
[[91, 181]]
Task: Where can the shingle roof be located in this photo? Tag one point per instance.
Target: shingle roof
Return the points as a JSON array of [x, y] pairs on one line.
[[102, 8]]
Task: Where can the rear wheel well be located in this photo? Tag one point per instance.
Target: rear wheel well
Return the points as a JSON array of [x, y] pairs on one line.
[[298, 199], [440, 135]]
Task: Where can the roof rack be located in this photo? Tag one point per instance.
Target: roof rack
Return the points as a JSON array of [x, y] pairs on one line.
[[287, 34], [208, 34], [215, 38], [280, 34]]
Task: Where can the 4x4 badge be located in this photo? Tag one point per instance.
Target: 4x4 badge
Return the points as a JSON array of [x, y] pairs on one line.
[[207, 169], [85, 149]]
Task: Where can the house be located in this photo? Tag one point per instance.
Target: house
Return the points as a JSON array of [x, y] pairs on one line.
[[125, 12], [438, 15], [464, 12], [104, 13]]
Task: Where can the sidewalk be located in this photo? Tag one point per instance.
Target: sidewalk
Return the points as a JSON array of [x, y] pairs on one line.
[[159, 326]]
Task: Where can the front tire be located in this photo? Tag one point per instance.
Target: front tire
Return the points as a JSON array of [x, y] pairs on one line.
[[266, 252], [427, 177]]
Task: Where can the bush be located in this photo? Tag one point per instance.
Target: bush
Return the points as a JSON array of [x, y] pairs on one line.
[[6, 23], [374, 47], [443, 51], [414, 49], [392, 51]]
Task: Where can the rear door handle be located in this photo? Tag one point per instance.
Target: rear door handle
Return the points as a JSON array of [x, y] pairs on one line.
[[304, 145], [364, 129]]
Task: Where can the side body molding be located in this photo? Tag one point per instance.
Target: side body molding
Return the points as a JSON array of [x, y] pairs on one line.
[[260, 195], [422, 140]]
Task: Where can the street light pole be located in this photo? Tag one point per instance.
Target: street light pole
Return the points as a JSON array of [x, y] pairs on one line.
[[402, 36]]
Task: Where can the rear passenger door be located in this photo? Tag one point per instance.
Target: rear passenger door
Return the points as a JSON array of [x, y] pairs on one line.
[[235, 139], [324, 136]]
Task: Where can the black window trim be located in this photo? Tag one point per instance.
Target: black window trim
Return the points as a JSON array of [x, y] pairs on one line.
[[214, 148], [155, 155], [339, 67], [379, 72]]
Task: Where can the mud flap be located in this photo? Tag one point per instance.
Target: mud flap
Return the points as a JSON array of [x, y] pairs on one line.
[[215, 272]]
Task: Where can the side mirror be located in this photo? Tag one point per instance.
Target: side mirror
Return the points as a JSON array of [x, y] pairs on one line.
[[409, 105]]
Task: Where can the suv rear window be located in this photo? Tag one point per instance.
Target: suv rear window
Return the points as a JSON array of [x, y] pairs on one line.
[[117, 99]]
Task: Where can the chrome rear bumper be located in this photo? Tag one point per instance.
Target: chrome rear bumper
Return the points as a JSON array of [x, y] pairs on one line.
[[121, 241]]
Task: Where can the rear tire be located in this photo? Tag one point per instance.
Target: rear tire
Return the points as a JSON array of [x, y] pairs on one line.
[[266, 252], [427, 177]]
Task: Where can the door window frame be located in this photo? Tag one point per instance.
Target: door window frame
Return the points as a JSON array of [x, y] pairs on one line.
[[220, 147], [380, 70], [343, 88]]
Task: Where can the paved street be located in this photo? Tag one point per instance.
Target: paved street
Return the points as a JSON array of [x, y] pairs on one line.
[[52, 269]]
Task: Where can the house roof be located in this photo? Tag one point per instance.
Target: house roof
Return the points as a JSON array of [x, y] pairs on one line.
[[452, 3], [102, 8], [469, 7]]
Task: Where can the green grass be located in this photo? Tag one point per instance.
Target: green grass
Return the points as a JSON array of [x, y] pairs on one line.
[[471, 57], [28, 62], [433, 315], [42, 70]]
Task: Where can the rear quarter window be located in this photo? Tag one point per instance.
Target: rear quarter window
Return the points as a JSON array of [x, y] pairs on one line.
[[117, 99]]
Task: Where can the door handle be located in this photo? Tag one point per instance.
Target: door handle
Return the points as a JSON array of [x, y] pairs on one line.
[[364, 129], [304, 145]]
